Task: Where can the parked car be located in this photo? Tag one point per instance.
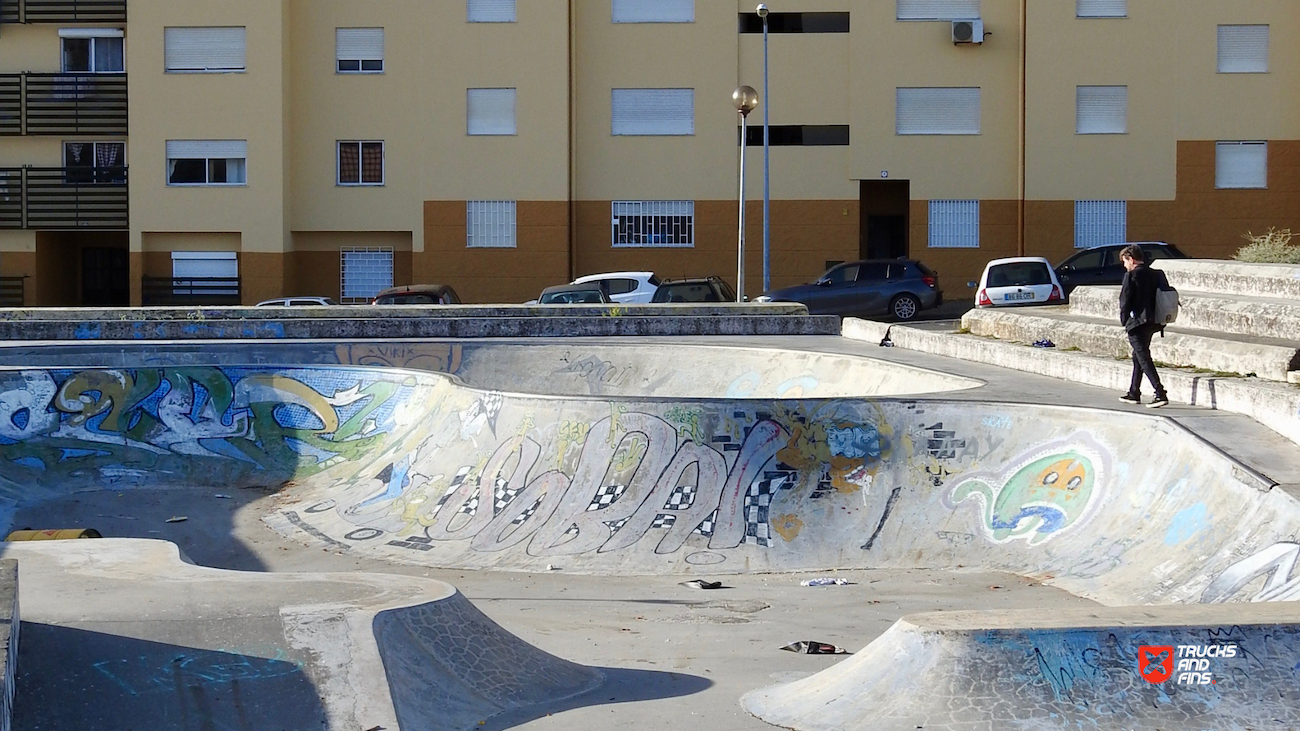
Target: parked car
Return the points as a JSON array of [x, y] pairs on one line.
[[625, 287], [1100, 265], [299, 302], [590, 293], [418, 294], [1022, 280], [901, 288], [700, 289]]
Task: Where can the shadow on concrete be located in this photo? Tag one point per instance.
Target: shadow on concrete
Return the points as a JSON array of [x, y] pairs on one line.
[[208, 535], [621, 686], [78, 679]]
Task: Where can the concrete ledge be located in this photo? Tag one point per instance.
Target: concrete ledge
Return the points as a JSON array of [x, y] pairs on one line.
[[1076, 669], [396, 312], [1257, 316], [1274, 405], [1233, 277], [10, 622], [1178, 347], [421, 327]]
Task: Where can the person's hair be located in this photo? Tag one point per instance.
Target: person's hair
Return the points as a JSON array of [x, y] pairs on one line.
[[1133, 252]]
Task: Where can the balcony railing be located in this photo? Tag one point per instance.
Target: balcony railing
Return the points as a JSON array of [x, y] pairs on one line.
[[64, 198], [64, 11], [9, 11], [63, 104], [12, 290], [190, 291]]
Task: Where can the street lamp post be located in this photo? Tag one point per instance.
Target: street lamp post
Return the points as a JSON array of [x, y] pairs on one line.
[[767, 165], [745, 99]]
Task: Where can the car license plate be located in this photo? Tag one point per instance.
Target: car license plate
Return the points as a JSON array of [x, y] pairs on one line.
[[1018, 296]]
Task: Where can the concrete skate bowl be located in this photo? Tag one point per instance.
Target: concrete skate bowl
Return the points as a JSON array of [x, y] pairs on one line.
[[420, 468]]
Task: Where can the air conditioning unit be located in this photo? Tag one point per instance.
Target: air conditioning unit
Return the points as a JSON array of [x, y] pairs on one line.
[[967, 31]]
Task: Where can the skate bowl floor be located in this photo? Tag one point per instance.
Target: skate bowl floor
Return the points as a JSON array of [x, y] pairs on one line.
[[534, 459]]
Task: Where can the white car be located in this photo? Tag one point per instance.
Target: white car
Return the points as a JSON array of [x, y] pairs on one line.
[[299, 302], [625, 287], [1023, 280]]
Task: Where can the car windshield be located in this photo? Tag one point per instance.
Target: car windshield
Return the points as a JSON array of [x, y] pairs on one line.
[[1019, 274], [687, 292], [653, 281], [586, 297], [408, 299]]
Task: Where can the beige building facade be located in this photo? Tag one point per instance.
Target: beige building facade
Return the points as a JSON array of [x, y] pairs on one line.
[[239, 150]]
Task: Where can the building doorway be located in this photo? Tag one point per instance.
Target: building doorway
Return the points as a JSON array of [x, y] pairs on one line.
[[885, 223], [105, 277], [82, 269]]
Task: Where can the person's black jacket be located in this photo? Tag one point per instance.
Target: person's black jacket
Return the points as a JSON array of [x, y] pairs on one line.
[[1137, 298]]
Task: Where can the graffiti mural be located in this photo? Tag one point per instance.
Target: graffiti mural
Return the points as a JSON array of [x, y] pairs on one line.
[[1042, 493], [1274, 565], [62, 430]]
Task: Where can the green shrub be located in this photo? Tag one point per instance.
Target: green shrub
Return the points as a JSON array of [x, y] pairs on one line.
[[1274, 247]]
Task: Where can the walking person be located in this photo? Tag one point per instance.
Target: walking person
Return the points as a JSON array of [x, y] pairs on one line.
[[1137, 307]]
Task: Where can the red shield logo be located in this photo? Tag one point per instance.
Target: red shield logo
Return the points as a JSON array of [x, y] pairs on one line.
[[1156, 662]]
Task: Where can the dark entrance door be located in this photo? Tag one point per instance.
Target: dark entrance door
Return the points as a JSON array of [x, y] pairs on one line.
[[105, 277], [885, 207]]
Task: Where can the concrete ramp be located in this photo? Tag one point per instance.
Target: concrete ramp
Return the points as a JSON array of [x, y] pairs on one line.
[[125, 633], [1073, 669]]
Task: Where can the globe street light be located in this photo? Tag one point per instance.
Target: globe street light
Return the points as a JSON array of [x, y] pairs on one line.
[[745, 99], [767, 166]]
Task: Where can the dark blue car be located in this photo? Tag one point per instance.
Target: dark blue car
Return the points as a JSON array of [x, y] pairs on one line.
[[900, 288]]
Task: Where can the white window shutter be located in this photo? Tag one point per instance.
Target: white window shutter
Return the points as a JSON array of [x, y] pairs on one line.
[[653, 111], [1241, 165], [205, 265], [938, 111], [954, 224], [1101, 8], [490, 11], [205, 49], [1243, 49], [938, 9], [359, 44], [491, 112], [206, 149], [1101, 110], [654, 11], [1097, 223]]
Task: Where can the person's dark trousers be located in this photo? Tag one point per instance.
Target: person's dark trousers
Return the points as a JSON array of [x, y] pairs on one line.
[[1140, 340]]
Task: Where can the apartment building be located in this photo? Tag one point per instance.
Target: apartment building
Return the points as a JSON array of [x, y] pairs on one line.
[[236, 150]]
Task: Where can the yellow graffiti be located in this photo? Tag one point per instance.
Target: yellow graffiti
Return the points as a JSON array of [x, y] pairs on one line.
[[631, 454], [77, 397], [787, 526]]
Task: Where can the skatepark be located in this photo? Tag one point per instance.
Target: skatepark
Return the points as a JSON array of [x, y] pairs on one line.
[[450, 533]]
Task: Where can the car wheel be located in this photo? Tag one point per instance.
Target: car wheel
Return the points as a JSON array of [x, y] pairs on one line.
[[904, 307]]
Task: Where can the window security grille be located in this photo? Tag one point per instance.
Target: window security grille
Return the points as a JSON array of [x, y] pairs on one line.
[[1097, 223], [490, 224], [954, 224], [654, 224], [367, 271]]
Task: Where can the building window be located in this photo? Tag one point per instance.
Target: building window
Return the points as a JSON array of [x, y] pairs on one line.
[[94, 162], [799, 135], [491, 111], [654, 11], [1101, 8], [93, 51], [359, 50], [795, 23], [490, 224], [653, 111], [954, 224], [654, 224], [366, 271], [209, 268], [1101, 110], [938, 9], [361, 163], [490, 11], [1243, 49], [1241, 165], [938, 111], [1097, 223], [207, 162], [205, 50]]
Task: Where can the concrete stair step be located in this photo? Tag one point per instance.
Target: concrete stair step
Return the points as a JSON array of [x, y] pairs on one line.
[[1266, 317], [1266, 358], [1233, 277]]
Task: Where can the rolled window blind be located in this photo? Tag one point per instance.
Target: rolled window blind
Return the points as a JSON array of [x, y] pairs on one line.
[[1241, 165], [938, 111], [206, 149], [1101, 9], [205, 49], [938, 9], [654, 11], [1101, 110], [491, 11], [491, 112], [653, 111], [359, 44], [1243, 49]]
